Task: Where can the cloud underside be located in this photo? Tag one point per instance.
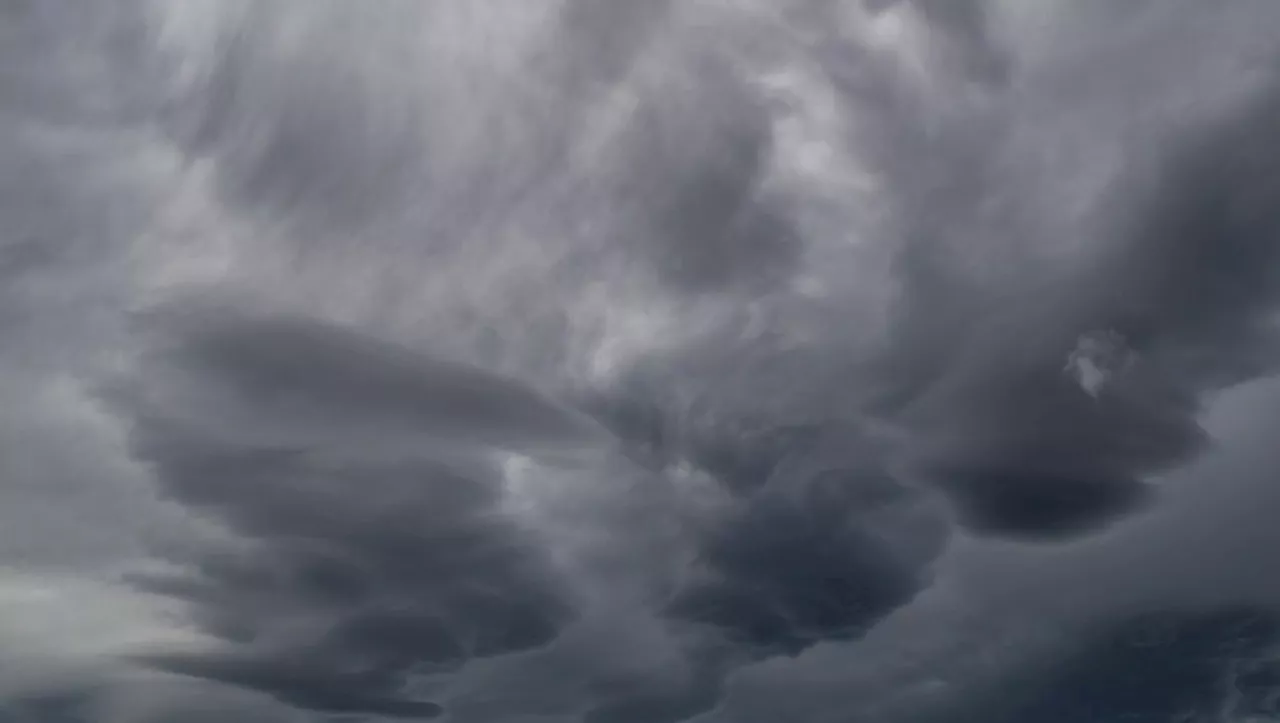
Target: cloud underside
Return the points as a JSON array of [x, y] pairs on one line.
[[1160, 666], [579, 375]]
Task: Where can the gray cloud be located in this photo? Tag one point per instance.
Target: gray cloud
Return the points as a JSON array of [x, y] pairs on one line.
[[1187, 281], [1160, 666], [783, 577], [694, 164], [300, 130], [759, 341], [364, 565], [220, 355], [78, 182]]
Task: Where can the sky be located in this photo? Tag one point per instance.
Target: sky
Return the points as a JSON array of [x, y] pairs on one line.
[[604, 361]]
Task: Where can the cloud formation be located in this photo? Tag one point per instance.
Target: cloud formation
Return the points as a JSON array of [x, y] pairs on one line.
[[369, 556], [1160, 666], [612, 362]]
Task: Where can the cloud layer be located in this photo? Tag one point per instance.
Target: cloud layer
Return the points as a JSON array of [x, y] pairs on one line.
[[588, 362]]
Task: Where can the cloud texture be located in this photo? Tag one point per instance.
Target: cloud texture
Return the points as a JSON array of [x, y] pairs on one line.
[[590, 361]]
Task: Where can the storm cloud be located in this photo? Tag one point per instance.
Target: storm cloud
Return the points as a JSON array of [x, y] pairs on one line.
[[617, 362], [368, 557]]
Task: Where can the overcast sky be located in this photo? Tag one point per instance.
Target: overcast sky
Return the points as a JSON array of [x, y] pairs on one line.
[[639, 361]]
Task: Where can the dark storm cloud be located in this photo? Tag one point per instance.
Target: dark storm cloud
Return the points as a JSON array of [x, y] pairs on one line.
[[297, 370], [1188, 282], [973, 373], [961, 357], [975, 370], [1161, 666], [989, 411], [786, 472], [782, 578], [975, 384], [822, 539], [1199, 254], [372, 554], [360, 566], [690, 170]]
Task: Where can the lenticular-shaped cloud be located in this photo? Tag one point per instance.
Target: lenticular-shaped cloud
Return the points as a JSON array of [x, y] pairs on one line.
[[362, 563], [300, 371], [369, 558]]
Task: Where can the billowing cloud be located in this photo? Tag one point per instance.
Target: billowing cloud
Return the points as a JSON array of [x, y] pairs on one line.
[[373, 551], [617, 362]]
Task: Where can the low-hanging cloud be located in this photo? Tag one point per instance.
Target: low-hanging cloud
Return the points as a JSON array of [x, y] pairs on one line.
[[367, 558], [584, 361]]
